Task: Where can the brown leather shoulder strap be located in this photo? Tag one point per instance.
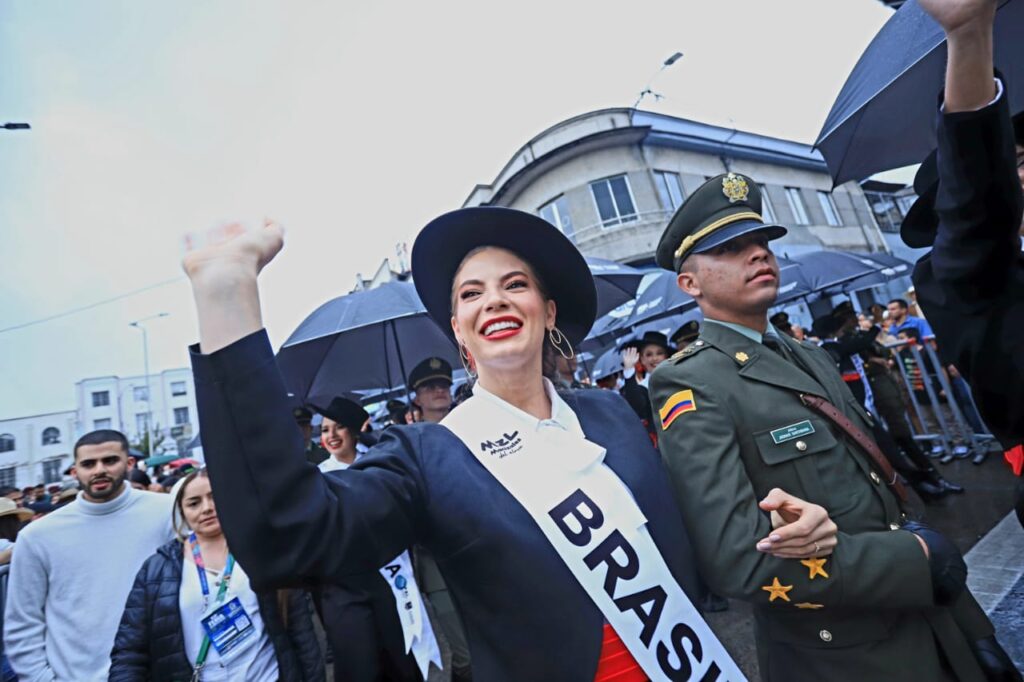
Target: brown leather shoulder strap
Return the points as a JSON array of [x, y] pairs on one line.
[[863, 440]]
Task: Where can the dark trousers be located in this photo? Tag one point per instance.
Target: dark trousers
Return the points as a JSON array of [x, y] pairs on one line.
[[364, 633]]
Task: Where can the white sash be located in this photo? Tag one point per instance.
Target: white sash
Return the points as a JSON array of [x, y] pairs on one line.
[[416, 629], [591, 519]]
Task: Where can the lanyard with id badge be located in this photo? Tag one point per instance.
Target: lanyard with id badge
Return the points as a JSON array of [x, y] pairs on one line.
[[226, 624]]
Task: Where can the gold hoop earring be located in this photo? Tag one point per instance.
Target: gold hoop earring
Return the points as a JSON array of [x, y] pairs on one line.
[[558, 340], [464, 357]]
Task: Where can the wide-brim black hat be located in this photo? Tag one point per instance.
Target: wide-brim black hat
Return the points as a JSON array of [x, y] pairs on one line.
[[346, 412], [655, 339], [921, 222], [442, 245]]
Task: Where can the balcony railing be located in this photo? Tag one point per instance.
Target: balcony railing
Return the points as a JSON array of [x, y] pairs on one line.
[[635, 220]]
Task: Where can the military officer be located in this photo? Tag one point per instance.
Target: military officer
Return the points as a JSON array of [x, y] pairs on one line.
[[431, 383], [736, 416]]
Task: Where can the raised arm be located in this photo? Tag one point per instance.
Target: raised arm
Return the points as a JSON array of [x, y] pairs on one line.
[[284, 520]]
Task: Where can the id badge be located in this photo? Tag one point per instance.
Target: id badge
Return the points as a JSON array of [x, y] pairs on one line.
[[230, 629]]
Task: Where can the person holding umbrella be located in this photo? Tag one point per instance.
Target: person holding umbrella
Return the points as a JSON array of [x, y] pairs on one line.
[[549, 514], [971, 283]]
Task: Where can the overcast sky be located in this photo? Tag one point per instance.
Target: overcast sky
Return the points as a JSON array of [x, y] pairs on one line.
[[351, 123]]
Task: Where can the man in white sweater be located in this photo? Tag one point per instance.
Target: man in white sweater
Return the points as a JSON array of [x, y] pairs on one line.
[[72, 570]]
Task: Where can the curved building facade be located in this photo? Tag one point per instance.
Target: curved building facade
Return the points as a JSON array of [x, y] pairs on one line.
[[611, 179]]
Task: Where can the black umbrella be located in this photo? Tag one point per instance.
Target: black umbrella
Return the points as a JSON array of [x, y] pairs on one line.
[[361, 344], [884, 117], [615, 283], [843, 271]]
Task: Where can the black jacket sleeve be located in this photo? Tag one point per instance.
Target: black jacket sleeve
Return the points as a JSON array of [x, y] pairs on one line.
[[285, 521], [130, 659]]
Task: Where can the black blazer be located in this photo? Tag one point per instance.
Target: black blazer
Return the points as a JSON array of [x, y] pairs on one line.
[[971, 284], [150, 644], [526, 616]]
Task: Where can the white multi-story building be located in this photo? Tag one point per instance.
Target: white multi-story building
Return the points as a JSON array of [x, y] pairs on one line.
[[167, 402], [38, 448]]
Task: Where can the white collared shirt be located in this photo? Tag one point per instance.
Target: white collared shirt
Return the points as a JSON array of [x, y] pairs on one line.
[[562, 416]]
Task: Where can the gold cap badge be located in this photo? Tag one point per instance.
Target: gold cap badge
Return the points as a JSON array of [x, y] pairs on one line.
[[735, 188], [435, 363], [742, 357]]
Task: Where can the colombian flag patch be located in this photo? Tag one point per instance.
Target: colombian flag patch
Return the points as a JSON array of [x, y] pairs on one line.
[[676, 405]]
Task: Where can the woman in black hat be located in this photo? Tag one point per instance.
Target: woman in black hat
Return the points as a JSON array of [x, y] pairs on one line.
[[343, 419], [550, 514]]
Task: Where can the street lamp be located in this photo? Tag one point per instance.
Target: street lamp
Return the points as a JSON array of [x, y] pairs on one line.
[[149, 391], [664, 65], [16, 126]]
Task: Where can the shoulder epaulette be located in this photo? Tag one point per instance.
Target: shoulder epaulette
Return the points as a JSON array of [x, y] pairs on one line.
[[691, 350]]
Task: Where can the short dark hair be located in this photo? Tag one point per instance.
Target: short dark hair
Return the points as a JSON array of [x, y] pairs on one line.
[[139, 476], [900, 302], [102, 436], [911, 333]]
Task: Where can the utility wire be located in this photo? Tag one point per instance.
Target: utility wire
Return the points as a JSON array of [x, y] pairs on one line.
[[90, 306]]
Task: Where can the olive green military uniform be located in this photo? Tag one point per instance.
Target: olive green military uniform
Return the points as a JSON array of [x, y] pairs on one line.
[[731, 428]]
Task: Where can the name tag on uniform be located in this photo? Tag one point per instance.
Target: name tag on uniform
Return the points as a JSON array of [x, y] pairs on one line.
[[230, 629], [798, 430]]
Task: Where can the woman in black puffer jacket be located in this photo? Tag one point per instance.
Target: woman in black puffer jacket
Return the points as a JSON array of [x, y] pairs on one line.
[[151, 642]]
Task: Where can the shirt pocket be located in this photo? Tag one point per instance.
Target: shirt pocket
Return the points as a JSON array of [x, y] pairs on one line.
[[806, 437]]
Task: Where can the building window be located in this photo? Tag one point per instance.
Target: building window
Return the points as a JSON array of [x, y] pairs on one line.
[[8, 477], [51, 435], [178, 388], [7, 442], [100, 398], [51, 471], [828, 205], [180, 416], [99, 424], [140, 394], [556, 212], [887, 210], [767, 210], [142, 423], [614, 200], [669, 189], [796, 205]]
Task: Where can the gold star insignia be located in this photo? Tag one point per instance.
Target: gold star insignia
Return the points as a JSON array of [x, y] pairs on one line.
[[777, 590], [742, 357], [816, 567], [808, 605]]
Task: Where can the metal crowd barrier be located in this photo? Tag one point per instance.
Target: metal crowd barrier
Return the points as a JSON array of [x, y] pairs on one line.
[[977, 440]]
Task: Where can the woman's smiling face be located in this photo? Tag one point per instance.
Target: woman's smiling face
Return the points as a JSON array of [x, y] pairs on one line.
[[500, 312]]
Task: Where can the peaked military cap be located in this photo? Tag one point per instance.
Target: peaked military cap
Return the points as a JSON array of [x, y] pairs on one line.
[[723, 208], [346, 412], [688, 332], [428, 370]]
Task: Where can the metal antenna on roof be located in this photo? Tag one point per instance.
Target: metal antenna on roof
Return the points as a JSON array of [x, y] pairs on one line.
[[647, 90]]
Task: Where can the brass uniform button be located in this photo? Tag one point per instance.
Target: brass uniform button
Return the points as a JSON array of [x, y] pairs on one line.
[[825, 635], [801, 446], [875, 478]]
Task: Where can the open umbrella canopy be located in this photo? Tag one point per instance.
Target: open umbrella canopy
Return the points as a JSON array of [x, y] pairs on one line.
[[841, 271], [160, 460], [615, 283], [884, 117], [361, 343]]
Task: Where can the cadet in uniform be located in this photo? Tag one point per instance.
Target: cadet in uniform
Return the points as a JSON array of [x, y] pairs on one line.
[[431, 382], [737, 419]]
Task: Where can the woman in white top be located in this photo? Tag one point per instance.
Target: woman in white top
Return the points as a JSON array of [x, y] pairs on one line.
[[339, 433], [192, 588]]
